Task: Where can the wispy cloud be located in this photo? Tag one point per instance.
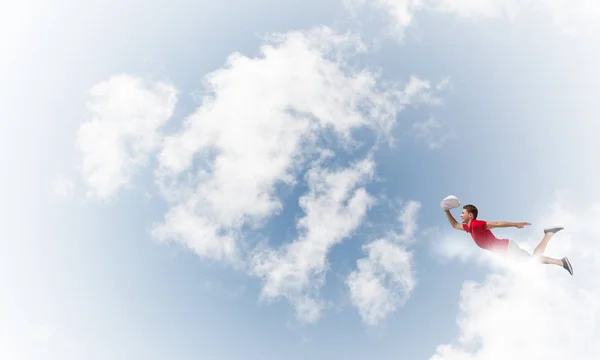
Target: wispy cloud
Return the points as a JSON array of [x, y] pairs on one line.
[[408, 221], [432, 133], [401, 12], [540, 310], [126, 114], [384, 279], [334, 206]]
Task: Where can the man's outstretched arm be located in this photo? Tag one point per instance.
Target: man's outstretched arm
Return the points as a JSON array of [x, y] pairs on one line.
[[504, 224], [453, 221]]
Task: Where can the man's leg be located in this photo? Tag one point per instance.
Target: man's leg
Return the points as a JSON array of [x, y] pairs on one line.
[[564, 262], [548, 233], [549, 260], [539, 250]]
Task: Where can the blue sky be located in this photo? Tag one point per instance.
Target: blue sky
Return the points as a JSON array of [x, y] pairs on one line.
[[109, 245]]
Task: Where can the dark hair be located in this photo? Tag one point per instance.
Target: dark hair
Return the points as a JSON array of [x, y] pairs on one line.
[[471, 209]]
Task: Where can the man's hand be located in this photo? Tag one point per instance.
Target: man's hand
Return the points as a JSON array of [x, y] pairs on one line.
[[521, 225]]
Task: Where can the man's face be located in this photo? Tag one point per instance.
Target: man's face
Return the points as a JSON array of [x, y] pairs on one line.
[[465, 216]]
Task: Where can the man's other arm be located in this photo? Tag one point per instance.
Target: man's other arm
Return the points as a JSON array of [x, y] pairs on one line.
[[505, 224]]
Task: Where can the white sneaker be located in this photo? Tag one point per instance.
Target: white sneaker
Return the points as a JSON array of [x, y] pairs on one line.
[[553, 230]]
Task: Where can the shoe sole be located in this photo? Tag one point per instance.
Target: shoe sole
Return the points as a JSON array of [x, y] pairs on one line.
[[567, 265]]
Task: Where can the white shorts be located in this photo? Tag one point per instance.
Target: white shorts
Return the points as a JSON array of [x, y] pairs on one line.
[[515, 252]]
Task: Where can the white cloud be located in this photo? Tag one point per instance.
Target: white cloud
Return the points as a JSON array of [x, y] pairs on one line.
[[334, 207], [384, 279], [419, 91], [126, 115], [256, 129], [534, 311], [407, 218]]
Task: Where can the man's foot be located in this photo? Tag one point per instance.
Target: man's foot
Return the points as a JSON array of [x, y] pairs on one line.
[[567, 265], [553, 230]]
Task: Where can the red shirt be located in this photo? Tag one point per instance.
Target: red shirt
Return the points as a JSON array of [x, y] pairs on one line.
[[483, 236]]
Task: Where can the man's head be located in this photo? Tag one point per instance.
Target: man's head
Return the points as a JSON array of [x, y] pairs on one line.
[[469, 213]]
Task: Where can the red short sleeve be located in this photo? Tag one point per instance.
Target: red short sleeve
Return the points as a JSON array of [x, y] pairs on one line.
[[479, 225], [465, 227]]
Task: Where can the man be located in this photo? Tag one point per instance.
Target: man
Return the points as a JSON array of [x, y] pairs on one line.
[[483, 237]]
